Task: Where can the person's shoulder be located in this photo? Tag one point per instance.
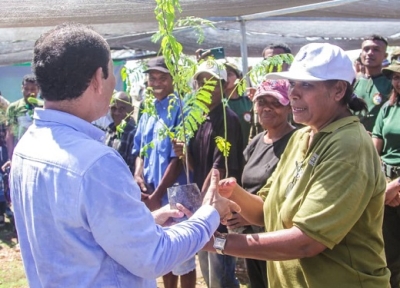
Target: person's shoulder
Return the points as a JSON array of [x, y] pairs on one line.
[[230, 113]]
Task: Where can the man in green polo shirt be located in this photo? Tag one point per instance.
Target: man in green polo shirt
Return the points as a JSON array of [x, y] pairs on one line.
[[373, 86], [19, 113]]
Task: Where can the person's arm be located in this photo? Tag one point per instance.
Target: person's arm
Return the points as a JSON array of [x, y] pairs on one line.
[[280, 245], [171, 174], [378, 143], [10, 142], [138, 175]]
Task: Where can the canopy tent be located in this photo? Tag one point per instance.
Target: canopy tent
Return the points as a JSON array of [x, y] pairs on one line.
[[129, 24]]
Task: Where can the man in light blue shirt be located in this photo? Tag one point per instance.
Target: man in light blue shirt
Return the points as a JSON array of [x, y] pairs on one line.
[[159, 169], [78, 212]]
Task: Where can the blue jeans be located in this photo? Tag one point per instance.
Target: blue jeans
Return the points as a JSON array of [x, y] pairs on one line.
[[218, 270]]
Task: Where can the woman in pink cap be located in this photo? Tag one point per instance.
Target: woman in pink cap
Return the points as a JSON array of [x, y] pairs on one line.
[[271, 104]]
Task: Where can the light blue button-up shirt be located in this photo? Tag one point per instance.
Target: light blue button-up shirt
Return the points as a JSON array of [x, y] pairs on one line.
[[78, 212], [158, 156]]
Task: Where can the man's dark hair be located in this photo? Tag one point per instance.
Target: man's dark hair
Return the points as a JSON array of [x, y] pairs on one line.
[[66, 58], [375, 37], [282, 46], [29, 78]]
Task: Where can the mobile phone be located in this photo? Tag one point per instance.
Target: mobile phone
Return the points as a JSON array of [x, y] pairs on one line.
[[217, 52]]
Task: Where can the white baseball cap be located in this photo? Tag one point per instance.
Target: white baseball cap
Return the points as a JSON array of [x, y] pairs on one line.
[[319, 62], [213, 67]]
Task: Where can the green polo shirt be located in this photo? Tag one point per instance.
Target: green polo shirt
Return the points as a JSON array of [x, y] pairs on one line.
[[243, 106], [333, 191], [387, 128], [368, 89]]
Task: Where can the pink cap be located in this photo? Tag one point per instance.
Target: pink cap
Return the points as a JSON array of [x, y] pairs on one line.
[[276, 88]]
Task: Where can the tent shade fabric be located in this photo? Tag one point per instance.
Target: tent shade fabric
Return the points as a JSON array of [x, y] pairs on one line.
[[129, 24]]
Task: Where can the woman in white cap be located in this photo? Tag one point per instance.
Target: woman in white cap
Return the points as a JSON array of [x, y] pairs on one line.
[[323, 206], [386, 137]]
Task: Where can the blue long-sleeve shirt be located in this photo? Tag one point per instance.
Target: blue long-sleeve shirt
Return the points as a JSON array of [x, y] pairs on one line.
[[78, 212]]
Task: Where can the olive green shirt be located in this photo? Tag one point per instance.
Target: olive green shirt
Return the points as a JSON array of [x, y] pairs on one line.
[[334, 192]]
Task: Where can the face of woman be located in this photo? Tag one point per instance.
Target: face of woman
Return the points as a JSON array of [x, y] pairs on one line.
[[313, 104], [271, 113], [396, 82]]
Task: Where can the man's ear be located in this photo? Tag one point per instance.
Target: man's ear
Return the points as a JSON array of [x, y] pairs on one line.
[[97, 81]]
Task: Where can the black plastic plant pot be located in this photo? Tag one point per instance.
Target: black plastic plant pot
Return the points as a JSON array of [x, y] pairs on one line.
[[188, 195]]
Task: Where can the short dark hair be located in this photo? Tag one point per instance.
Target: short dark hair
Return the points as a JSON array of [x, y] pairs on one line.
[[282, 46], [376, 37], [29, 78], [66, 58]]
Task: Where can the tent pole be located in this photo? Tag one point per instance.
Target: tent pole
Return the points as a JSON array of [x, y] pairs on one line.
[[243, 49]]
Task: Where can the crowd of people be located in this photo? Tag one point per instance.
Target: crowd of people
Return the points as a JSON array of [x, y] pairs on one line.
[[311, 182]]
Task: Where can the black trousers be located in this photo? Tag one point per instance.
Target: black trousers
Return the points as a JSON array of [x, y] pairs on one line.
[[391, 236]]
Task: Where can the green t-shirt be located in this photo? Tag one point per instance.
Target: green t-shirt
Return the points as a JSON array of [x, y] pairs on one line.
[[242, 106], [19, 117], [387, 128], [334, 192], [375, 91]]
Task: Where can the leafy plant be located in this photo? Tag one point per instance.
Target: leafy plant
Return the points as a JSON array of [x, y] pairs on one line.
[[182, 67]]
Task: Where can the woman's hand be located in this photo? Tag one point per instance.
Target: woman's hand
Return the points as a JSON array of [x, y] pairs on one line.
[[226, 187], [392, 193], [237, 221]]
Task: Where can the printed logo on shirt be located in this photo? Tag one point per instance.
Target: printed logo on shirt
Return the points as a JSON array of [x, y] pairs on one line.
[[247, 116], [313, 159]]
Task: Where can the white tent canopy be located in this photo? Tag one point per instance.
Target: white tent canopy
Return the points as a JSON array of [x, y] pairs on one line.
[[129, 24]]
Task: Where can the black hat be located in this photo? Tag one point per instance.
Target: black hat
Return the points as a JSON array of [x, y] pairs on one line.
[[157, 63]]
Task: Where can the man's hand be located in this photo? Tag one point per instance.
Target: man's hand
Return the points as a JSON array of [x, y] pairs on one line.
[[164, 215], [140, 181], [6, 165], [201, 54], [224, 206], [226, 187], [178, 147]]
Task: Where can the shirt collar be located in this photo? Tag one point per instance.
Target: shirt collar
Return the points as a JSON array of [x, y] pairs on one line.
[[44, 117], [339, 124], [332, 127]]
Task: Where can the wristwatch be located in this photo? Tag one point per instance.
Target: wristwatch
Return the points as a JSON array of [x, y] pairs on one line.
[[219, 243]]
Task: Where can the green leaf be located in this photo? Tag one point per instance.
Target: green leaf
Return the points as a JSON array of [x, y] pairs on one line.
[[223, 145]]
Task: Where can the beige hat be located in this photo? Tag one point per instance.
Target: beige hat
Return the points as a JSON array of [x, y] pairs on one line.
[[394, 67]]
